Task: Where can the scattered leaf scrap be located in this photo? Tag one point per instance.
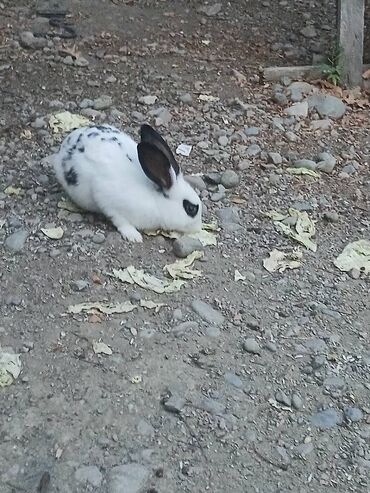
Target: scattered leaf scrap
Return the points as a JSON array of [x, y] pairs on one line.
[[107, 308], [208, 98], [10, 368], [238, 276], [302, 171], [184, 150], [180, 269], [69, 206], [53, 233], [355, 255], [66, 122], [131, 275], [279, 261], [101, 348], [302, 230], [152, 305], [13, 190]]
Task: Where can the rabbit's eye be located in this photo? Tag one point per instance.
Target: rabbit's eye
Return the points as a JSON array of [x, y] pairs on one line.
[[190, 209]]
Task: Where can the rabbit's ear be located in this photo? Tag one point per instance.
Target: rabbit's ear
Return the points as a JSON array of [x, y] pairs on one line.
[[155, 165], [151, 136]]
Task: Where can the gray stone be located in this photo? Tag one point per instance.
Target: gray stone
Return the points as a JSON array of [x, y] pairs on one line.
[[196, 182], [38, 123], [175, 404], [186, 98], [327, 105], [228, 215], [280, 98], [326, 162], [303, 450], [334, 383], [326, 419], [251, 346], [86, 103], [213, 331], [320, 124], [331, 216], [251, 131], [129, 478], [349, 169], [29, 41], [271, 346], [98, 238], [305, 163], [244, 164], [163, 117], [309, 32], [89, 474], [230, 179], [275, 158], [16, 241], [212, 406], [81, 62], [353, 414], [253, 150], [185, 327], [298, 110], [79, 285], [291, 136], [297, 402], [223, 140], [145, 428], [148, 100], [102, 103], [214, 178], [184, 246], [281, 397], [233, 379], [207, 313]]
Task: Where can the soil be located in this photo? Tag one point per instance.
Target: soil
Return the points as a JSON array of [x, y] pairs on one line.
[[243, 416]]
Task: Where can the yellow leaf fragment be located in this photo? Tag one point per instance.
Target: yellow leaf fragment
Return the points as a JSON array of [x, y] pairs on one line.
[[238, 276], [131, 275], [180, 269], [66, 122], [280, 261], [303, 229], [151, 305], [53, 233], [10, 368], [13, 190], [107, 308], [302, 171], [101, 348], [136, 379], [355, 255], [69, 206]]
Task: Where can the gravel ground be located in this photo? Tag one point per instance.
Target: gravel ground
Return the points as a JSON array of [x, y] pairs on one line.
[[246, 380]]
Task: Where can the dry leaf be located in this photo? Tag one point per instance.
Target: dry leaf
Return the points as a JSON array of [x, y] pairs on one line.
[[206, 238], [58, 453], [53, 233], [94, 319], [101, 348], [279, 261], [10, 368], [136, 379], [151, 305], [302, 171], [66, 122], [131, 275], [238, 276], [180, 268], [302, 231], [107, 308], [13, 191], [27, 134], [355, 255], [208, 98], [69, 206]]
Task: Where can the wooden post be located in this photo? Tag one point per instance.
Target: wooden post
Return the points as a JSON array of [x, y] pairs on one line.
[[350, 23]]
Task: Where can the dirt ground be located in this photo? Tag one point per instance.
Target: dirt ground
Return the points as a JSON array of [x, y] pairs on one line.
[[264, 387]]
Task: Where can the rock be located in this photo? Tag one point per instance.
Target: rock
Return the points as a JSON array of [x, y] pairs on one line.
[[320, 124], [299, 89], [230, 179], [39, 123], [291, 136], [251, 346], [213, 331], [244, 164], [15, 242], [271, 346], [148, 100], [211, 10], [303, 450], [331, 216], [297, 402], [129, 478], [305, 163], [309, 32], [281, 397], [251, 131], [175, 404], [196, 182], [326, 419], [102, 103], [81, 62], [207, 313], [163, 117], [326, 162], [223, 140], [334, 383], [327, 105], [98, 238], [29, 41], [275, 158], [298, 110], [253, 150], [353, 414], [186, 98], [89, 474], [349, 169], [229, 218], [214, 178], [68, 60], [233, 379], [185, 327], [280, 99], [211, 406], [79, 285], [184, 246]]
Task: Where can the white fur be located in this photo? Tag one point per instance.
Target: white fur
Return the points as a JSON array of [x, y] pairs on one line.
[[110, 180]]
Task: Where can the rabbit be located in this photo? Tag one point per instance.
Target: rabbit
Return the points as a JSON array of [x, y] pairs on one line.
[[137, 186]]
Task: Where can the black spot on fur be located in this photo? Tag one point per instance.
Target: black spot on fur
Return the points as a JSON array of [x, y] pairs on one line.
[[71, 177], [81, 149], [129, 158], [104, 129], [93, 134], [68, 139], [113, 139], [68, 156], [79, 138], [190, 209]]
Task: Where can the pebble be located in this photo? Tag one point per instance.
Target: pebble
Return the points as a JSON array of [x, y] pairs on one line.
[[185, 328], [228, 215], [213, 331], [186, 98], [303, 450], [253, 150], [326, 162], [349, 169], [214, 178], [271, 346], [309, 32], [98, 238], [281, 397], [102, 103], [148, 100], [326, 419], [196, 182], [244, 164], [16, 241], [291, 136], [184, 246], [275, 158], [38, 123], [251, 131], [280, 98], [327, 105], [79, 285], [298, 110], [175, 404], [355, 273], [230, 179], [128, 478], [353, 414], [320, 124], [28, 40], [163, 117], [89, 474], [305, 163], [211, 406], [207, 313], [331, 216], [251, 346], [297, 402], [233, 379], [223, 140]]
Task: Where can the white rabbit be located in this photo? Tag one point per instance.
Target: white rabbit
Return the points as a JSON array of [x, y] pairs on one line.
[[137, 186]]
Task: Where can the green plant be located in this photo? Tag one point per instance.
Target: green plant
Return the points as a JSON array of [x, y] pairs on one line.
[[332, 68]]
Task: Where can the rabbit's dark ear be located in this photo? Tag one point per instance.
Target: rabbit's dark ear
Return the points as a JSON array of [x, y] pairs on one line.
[[155, 165], [151, 136]]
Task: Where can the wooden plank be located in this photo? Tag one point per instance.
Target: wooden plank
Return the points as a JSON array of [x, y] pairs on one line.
[[305, 72], [350, 25]]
